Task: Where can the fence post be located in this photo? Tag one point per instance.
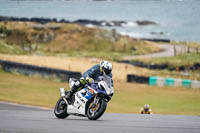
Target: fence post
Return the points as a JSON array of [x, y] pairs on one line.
[[188, 49], [174, 50]]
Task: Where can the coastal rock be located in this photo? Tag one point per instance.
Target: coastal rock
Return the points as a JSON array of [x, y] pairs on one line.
[[79, 21], [157, 40], [145, 22], [157, 33], [43, 37], [34, 19]]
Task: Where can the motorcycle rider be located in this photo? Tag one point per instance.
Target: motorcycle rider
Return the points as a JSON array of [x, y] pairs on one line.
[[146, 110], [92, 74]]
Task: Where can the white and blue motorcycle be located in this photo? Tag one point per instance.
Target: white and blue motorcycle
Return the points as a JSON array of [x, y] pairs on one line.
[[90, 102]]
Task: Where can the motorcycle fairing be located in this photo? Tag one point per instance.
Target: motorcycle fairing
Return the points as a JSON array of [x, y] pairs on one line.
[[79, 104]]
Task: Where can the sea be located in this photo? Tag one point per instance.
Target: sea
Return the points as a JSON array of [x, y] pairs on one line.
[[177, 20]]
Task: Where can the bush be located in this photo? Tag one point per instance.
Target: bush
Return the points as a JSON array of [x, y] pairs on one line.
[[4, 30]]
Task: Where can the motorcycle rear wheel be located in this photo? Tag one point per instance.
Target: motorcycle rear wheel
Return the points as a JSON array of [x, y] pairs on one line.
[[60, 109], [96, 112]]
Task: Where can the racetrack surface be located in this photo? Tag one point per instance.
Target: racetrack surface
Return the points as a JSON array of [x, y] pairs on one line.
[[167, 50], [22, 119]]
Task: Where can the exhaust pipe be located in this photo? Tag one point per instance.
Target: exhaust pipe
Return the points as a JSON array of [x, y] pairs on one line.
[[62, 92]]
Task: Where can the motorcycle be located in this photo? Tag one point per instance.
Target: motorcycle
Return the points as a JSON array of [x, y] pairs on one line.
[[90, 102]]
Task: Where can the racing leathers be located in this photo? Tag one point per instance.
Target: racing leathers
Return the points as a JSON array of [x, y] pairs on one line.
[[145, 111], [93, 74]]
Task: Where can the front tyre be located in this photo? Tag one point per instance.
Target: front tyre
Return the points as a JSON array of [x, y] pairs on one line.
[[95, 112], [60, 109]]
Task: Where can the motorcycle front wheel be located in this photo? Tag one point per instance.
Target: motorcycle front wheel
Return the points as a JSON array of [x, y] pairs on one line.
[[94, 112], [60, 109]]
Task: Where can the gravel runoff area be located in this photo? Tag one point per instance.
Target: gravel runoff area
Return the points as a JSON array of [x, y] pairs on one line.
[[16, 118]]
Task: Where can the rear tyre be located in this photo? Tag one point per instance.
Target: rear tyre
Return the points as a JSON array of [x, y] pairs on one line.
[[94, 113], [60, 109]]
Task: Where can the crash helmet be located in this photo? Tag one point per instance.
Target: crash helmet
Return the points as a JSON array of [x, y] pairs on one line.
[[146, 107], [106, 67]]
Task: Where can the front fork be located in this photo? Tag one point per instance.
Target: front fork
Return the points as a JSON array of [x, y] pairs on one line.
[[95, 102], [65, 100]]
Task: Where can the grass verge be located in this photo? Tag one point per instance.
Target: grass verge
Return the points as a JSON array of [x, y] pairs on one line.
[[185, 43], [128, 98], [186, 59], [10, 49]]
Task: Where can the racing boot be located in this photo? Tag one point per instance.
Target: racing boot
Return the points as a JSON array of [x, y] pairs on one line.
[[74, 89], [69, 95]]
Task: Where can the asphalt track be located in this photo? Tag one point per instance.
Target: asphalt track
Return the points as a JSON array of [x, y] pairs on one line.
[[22, 119], [167, 50]]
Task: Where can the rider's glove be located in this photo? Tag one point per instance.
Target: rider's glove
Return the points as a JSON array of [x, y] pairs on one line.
[[89, 80], [86, 80]]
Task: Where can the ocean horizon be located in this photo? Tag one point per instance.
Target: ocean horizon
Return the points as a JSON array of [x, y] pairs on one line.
[[177, 20]]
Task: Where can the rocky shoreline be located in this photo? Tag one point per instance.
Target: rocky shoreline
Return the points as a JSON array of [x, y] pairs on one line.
[[89, 23], [79, 21]]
